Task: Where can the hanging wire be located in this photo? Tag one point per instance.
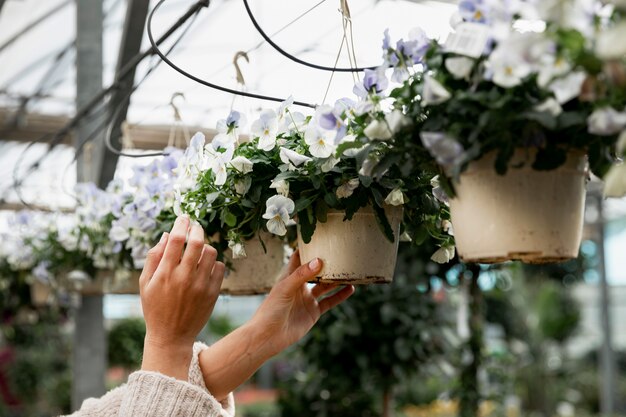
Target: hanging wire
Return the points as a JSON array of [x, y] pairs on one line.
[[292, 57], [116, 113], [200, 80], [87, 109]]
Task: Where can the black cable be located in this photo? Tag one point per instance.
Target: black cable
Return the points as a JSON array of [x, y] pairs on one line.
[[200, 80], [292, 57], [55, 139], [116, 113]]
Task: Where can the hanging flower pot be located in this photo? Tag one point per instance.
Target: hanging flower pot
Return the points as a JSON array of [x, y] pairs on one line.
[[355, 251], [121, 281], [258, 271], [528, 215], [40, 293]]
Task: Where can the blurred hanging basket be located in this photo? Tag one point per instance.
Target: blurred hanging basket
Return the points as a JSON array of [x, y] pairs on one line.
[[105, 281], [527, 215], [40, 293], [258, 271], [355, 251]]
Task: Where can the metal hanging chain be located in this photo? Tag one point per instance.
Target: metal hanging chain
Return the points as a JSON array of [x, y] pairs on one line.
[[199, 80], [292, 57]]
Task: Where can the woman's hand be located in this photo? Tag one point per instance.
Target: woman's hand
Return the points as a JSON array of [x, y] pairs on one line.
[[287, 314], [292, 308], [179, 287]]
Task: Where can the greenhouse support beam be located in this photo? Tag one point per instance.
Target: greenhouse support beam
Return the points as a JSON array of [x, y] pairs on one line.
[[608, 380], [90, 350], [130, 46]]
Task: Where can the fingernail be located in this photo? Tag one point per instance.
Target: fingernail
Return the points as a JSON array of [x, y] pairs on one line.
[[163, 237], [314, 265]]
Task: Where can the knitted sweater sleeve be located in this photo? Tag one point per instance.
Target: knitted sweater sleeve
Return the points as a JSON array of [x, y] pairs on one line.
[[156, 395]]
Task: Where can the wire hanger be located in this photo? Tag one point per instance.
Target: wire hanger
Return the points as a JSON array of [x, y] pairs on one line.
[[292, 57], [200, 80]]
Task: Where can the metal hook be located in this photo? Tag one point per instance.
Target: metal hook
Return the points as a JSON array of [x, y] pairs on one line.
[[240, 54], [344, 9]]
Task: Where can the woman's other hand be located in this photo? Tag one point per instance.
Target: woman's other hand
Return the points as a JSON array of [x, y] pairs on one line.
[[179, 286]]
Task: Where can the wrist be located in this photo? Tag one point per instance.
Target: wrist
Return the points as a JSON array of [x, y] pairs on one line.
[[262, 338], [168, 358]]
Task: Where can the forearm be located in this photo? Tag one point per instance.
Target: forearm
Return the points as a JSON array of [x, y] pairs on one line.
[[232, 360]]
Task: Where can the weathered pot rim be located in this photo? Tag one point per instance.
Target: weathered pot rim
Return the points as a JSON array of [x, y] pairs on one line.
[[575, 162]]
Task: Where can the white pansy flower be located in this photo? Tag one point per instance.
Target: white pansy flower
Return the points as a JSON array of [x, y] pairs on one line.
[[508, 69], [606, 121], [281, 187], [278, 210], [292, 157], [346, 189], [443, 255], [238, 249], [460, 67], [266, 129], [620, 147], [568, 87], [288, 120], [321, 142], [551, 106], [610, 43], [377, 130], [446, 226], [396, 120], [329, 164], [218, 163], [242, 164], [615, 181], [434, 92], [395, 197], [550, 68], [242, 186]]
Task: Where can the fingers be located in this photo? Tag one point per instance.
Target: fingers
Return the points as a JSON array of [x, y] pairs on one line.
[[217, 276], [207, 262], [302, 275], [175, 243], [153, 259], [336, 299], [321, 289], [294, 263], [195, 248]]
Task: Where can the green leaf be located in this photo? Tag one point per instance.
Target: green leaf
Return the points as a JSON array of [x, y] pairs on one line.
[[321, 211], [306, 227], [229, 218], [304, 202], [331, 199], [383, 223], [543, 118], [378, 197], [549, 158]]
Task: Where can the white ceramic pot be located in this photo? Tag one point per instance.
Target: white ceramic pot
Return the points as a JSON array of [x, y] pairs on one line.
[[355, 251], [40, 293], [120, 282], [527, 215], [258, 271]]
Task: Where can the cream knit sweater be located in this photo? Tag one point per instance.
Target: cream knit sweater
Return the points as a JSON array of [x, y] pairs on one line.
[[156, 395]]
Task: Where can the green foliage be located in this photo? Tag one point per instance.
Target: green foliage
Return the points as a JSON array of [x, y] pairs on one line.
[[220, 326], [558, 313], [383, 337], [125, 341]]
